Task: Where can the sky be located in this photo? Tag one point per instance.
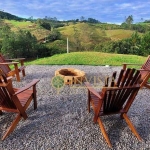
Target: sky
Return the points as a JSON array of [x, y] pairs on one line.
[[110, 11]]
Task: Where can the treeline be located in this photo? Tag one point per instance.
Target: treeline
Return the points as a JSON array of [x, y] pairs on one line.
[[136, 45], [5, 15], [49, 23], [137, 27], [83, 19], [23, 44]]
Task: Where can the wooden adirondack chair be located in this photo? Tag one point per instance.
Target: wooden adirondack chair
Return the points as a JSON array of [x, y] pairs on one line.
[[16, 100], [116, 99], [4, 65], [145, 72]]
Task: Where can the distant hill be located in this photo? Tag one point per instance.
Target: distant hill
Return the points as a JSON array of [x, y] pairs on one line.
[[5, 15], [82, 36], [87, 36]]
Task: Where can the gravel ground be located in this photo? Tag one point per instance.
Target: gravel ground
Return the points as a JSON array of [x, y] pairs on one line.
[[61, 121]]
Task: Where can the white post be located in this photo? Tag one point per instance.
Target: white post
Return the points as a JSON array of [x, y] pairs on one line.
[[67, 46]]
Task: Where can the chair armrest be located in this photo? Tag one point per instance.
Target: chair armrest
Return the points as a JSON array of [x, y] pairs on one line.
[[131, 64], [125, 65], [144, 70], [29, 85], [15, 59], [9, 63], [21, 60], [92, 90], [3, 84]]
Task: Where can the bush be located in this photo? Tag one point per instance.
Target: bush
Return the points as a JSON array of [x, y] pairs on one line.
[[46, 25], [54, 35]]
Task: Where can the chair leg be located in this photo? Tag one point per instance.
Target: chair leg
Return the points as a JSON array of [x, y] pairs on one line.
[[104, 132], [147, 86], [12, 127], [1, 112], [131, 126], [22, 64], [18, 77], [34, 97], [23, 73], [121, 116], [17, 73], [89, 101]]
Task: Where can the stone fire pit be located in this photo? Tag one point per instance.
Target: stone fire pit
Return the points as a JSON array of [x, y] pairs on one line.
[[71, 75]]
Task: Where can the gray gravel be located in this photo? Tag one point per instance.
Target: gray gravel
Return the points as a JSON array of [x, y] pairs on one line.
[[61, 121]]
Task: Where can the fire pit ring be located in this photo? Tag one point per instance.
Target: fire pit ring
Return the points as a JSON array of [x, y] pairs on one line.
[[71, 75]]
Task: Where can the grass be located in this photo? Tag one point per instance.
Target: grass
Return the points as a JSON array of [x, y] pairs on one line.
[[18, 23], [118, 34], [89, 58], [34, 28], [85, 30]]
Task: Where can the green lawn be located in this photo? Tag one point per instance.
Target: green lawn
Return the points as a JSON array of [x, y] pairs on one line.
[[89, 58]]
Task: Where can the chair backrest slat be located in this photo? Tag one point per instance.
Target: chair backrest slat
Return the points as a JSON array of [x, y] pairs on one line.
[[5, 95], [115, 99], [120, 77], [4, 67], [5, 99], [116, 96], [147, 64]]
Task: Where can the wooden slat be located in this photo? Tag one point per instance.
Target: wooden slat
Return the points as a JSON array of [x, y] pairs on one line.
[[5, 100], [120, 77]]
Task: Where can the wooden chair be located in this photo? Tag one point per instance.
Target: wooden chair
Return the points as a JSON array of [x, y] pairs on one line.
[[4, 65], [145, 72], [16, 100], [116, 99]]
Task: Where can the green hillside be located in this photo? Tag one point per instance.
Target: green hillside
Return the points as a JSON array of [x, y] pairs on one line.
[[34, 28], [90, 33], [83, 34], [89, 58], [52, 34], [5, 15]]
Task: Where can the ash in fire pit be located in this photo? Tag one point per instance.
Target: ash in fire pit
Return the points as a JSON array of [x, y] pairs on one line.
[[71, 75]]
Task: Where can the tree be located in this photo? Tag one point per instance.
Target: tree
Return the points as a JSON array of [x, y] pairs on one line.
[[31, 19], [129, 21], [124, 25], [5, 31], [54, 35], [77, 20], [146, 44], [45, 25], [91, 20], [18, 44], [82, 19]]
